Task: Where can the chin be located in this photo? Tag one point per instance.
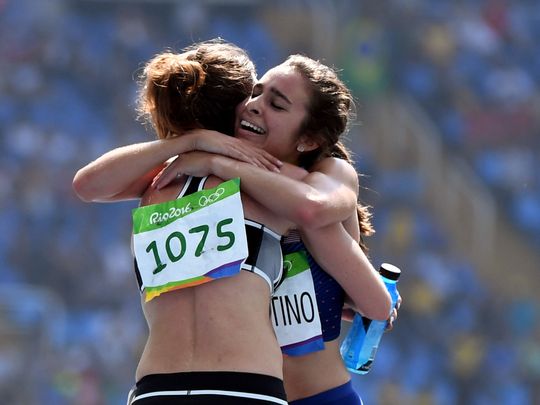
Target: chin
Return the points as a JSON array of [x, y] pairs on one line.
[[251, 138]]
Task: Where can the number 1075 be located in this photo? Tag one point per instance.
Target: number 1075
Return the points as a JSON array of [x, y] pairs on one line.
[[176, 254]]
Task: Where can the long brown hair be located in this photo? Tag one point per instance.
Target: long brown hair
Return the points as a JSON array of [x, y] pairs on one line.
[[363, 212], [330, 110]]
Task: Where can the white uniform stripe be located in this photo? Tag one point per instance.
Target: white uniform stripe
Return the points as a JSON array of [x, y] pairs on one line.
[[259, 272], [212, 392], [131, 395], [263, 275], [186, 185], [202, 183], [264, 228]]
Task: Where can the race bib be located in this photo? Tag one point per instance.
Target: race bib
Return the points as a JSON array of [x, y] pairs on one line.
[[295, 315], [190, 240]]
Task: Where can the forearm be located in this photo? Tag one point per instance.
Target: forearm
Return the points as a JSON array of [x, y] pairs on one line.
[[341, 256], [125, 172], [299, 201]]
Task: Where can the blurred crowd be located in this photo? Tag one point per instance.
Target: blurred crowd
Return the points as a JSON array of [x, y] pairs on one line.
[[70, 324], [475, 67]]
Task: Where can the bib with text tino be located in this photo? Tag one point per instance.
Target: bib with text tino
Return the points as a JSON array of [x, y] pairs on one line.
[[295, 314], [191, 240]]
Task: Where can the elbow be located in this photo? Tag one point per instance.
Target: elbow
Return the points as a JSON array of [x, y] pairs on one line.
[[382, 313], [310, 214], [317, 210], [81, 187]]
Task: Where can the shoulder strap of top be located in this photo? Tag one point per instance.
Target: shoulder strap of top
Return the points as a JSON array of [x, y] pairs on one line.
[[192, 185]]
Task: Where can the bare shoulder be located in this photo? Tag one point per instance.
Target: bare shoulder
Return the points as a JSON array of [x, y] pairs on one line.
[[154, 196], [338, 169], [332, 164]]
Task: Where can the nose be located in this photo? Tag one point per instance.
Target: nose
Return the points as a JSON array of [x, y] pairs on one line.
[[253, 105]]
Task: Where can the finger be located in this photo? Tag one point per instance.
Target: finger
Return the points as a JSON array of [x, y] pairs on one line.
[[263, 164], [240, 151], [242, 156], [394, 315], [267, 161], [157, 177], [270, 165], [347, 315], [251, 150], [274, 160], [258, 164], [390, 323], [166, 176], [248, 158], [255, 156], [260, 160], [389, 326]]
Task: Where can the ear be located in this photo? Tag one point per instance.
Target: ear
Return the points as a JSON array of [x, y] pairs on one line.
[[306, 144]]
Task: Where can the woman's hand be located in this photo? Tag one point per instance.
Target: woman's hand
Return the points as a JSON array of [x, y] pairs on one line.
[[347, 314], [393, 315], [198, 164], [216, 142]]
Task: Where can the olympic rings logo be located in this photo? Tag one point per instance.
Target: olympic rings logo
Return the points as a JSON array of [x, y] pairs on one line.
[[212, 198], [287, 266]]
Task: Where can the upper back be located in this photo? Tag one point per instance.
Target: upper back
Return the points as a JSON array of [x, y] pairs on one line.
[[226, 319], [252, 210]]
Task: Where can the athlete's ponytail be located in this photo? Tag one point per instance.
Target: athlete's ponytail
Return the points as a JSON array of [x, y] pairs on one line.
[[171, 84], [197, 88], [339, 150]]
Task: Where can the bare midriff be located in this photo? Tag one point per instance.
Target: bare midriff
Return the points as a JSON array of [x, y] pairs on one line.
[[314, 373]]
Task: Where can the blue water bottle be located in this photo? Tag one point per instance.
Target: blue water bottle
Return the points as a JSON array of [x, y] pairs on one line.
[[359, 347]]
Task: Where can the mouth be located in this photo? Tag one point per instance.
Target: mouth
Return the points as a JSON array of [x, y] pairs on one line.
[[248, 126]]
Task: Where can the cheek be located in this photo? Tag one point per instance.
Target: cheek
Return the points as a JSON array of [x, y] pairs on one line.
[[283, 147], [237, 114], [241, 107], [290, 130]]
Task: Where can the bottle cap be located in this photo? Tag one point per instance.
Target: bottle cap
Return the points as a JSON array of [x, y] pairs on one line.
[[389, 271]]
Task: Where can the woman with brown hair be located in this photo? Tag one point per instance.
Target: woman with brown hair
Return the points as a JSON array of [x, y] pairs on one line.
[[213, 342], [309, 94]]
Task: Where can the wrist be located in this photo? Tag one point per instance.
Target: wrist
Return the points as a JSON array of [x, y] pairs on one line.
[[223, 167], [186, 143], [216, 166]]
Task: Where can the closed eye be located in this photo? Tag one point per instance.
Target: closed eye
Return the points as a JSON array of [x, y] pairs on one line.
[[277, 107]]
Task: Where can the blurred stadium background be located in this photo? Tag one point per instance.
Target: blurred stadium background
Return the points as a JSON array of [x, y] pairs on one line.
[[448, 138]]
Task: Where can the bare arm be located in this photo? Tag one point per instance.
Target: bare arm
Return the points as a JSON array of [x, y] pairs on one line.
[[317, 204], [319, 199], [346, 262], [122, 173], [341, 256], [125, 172]]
